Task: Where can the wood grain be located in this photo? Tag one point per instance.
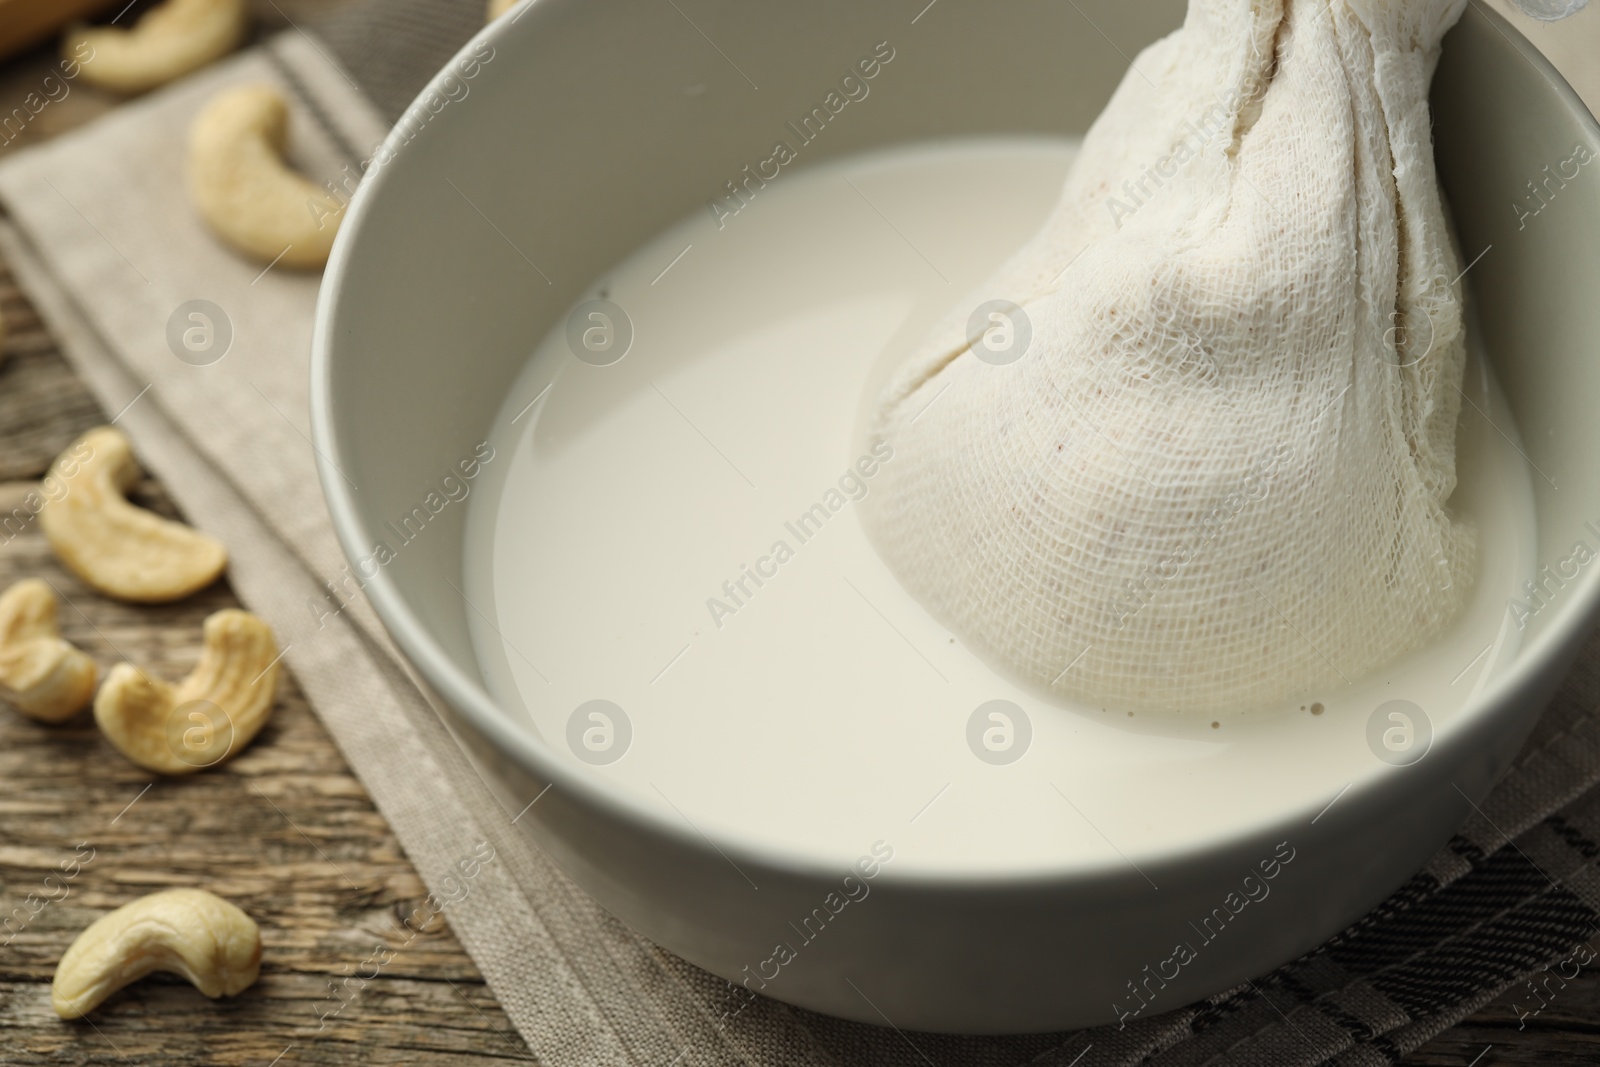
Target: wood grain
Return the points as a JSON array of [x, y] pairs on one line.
[[24, 23], [283, 830]]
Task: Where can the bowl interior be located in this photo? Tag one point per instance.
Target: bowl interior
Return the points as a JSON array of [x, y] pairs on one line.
[[491, 220]]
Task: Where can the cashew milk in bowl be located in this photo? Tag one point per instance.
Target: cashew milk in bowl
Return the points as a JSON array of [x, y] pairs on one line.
[[671, 587]]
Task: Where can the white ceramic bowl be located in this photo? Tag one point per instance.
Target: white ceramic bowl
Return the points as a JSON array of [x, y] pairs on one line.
[[576, 140]]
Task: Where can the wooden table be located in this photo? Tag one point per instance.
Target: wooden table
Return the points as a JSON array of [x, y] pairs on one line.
[[284, 831], [287, 833]]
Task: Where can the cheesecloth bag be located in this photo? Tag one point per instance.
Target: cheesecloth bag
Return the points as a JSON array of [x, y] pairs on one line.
[[1216, 477]]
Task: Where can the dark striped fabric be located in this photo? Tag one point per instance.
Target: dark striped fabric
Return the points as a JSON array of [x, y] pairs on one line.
[[392, 47]]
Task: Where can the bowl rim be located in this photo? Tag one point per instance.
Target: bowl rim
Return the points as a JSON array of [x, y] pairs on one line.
[[407, 628]]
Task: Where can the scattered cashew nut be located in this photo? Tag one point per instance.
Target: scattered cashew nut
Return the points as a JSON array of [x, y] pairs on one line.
[[245, 191], [122, 550], [173, 39], [44, 676], [189, 932], [498, 8], [212, 714]]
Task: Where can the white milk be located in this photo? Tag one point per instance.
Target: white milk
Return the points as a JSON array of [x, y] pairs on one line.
[[819, 708]]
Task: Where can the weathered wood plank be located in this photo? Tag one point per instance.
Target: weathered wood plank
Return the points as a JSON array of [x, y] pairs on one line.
[[42, 405]]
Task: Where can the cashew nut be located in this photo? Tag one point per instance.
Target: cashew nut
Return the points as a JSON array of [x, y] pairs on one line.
[[44, 676], [245, 191], [189, 932], [499, 7], [122, 550], [173, 39], [212, 714]]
